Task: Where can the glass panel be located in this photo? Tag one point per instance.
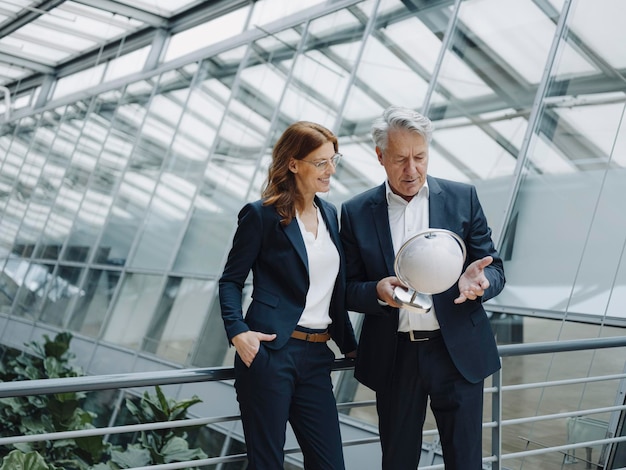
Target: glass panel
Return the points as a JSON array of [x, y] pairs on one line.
[[33, 280], [493, 34], [599, 30], [96, 170], [97, 294], [201, 117], [63, 200], [270, 10], [240, 141], [574, 175], [397, 64], [13, 270], [179, 318], [134, 151], [166, 214], [36, 199], [126, 64], [213, 349], [12, 203], [207, 34], [398, 61], [133, 310], [483, 96], [207, 237], [79, 81], [65, 31], [62, 291], [107, 358], [166, 9], [159, 238], [219, 190]]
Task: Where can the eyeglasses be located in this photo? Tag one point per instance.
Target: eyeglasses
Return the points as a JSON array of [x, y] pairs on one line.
[[323, 164]]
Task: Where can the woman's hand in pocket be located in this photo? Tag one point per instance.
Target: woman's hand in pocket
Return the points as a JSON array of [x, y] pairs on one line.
[[247, 344]]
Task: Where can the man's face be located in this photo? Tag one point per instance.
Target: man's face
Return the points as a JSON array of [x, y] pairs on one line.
[[405, 161]]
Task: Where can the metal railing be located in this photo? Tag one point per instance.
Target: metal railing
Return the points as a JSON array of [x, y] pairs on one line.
[[498, 390], [185, 376]]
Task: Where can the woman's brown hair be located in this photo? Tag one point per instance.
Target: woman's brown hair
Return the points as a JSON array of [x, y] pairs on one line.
[[299, 140]]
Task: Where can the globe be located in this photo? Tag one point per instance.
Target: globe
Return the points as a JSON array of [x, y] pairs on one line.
[[429, 263]]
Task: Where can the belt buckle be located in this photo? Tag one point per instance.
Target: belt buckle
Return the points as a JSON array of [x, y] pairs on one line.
[[413, 338]]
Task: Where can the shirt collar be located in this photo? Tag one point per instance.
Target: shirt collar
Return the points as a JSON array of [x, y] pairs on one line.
[[394, 198]]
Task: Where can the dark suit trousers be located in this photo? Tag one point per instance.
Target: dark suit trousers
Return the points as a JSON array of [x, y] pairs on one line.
[[292, 384], [424, 370]]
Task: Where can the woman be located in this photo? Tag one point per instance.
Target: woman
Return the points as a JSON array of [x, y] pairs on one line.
[[290, 241]]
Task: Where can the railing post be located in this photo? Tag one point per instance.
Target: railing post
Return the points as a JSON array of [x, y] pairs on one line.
[[496, 416]]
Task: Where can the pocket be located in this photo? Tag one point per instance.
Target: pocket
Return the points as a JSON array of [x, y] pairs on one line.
[[265, 297], [478, 316], [261, 358]]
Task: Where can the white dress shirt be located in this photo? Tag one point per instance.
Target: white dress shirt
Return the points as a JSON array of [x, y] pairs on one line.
[[323, 260], [407, 219]]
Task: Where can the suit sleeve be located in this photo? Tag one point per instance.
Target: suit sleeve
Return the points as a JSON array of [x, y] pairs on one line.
[[361, 294], [481, 245], [241, 258]]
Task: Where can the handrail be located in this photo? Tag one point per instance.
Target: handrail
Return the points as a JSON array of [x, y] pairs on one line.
[[560, 346], [134, 379], [181, 376]]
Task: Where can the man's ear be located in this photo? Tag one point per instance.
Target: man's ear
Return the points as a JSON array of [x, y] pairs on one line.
[[379, 154]]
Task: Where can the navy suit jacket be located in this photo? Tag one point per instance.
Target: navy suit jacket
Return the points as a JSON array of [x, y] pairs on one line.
[[465, 328], [277, 256]]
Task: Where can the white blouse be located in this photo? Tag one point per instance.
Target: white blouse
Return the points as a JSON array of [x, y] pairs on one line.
[[323, 259]]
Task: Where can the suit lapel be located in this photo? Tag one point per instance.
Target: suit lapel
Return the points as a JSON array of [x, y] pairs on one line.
[[333, 229], [292, 231], [331, 222], [381, 223], [436, 205]]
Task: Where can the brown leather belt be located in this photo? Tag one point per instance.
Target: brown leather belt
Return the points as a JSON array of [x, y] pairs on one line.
[[311, 337], [418, 335]]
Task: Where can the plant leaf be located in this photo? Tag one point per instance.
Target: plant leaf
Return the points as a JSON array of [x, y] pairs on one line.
[[17, 460], [131, 457], [177, 450]]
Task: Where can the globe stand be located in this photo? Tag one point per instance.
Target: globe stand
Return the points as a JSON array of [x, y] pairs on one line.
[[412, 300], [428, 263]]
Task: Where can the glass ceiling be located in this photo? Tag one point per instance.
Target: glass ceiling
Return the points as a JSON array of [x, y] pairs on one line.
[[341, 68], [58, 38], [138, 128], [37, 36]]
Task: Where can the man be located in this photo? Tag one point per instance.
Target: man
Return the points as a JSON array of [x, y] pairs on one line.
[[407, 357]]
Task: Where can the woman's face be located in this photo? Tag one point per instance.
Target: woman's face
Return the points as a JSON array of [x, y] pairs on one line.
[[313, 172]]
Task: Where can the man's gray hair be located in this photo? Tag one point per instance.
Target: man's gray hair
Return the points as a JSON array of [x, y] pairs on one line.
[[397, 117]]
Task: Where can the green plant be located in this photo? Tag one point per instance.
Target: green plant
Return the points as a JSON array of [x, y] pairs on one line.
[[19, 460], [63, 412], [48, 413], [161, 445]]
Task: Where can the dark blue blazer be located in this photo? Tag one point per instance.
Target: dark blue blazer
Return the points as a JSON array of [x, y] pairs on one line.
[[465, 328], [277, 257]]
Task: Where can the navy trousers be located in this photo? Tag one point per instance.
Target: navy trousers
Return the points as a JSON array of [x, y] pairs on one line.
[[424, 370], [292, 384]]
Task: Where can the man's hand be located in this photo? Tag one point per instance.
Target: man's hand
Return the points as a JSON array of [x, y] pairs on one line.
[[247, 344], [473, 282], [385, 288], [350, 355]]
